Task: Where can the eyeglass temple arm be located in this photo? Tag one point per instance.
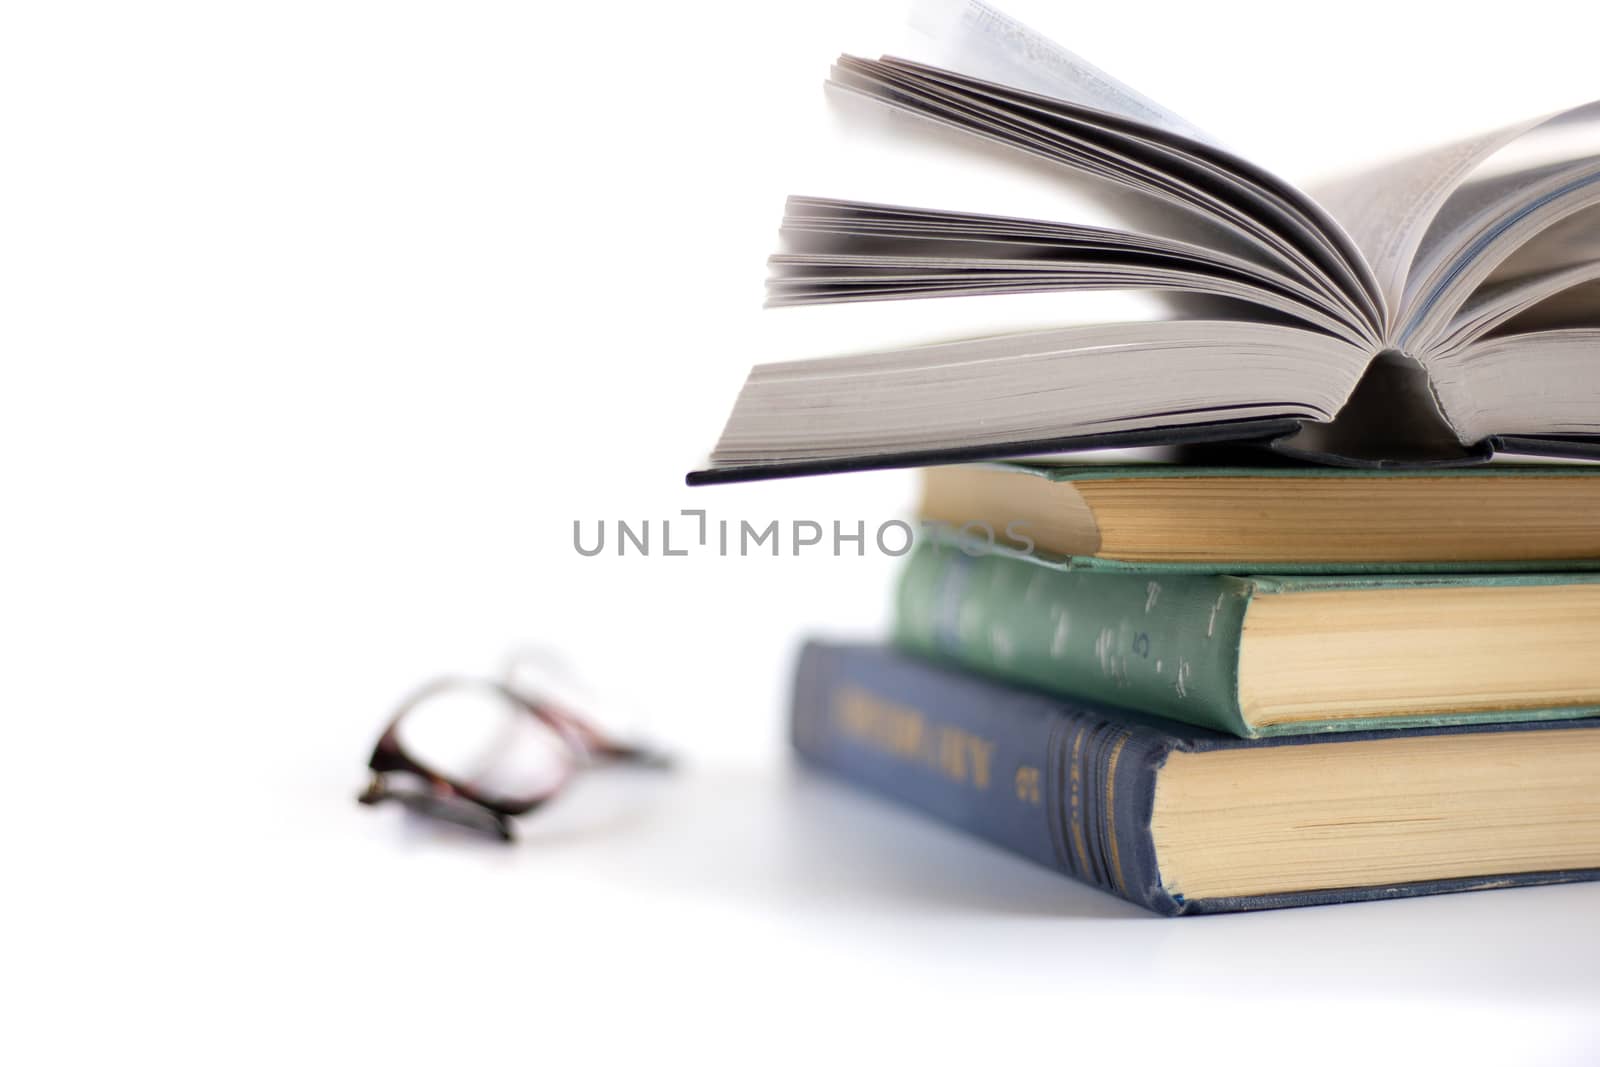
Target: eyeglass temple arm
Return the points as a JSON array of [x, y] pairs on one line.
[[595, 743]]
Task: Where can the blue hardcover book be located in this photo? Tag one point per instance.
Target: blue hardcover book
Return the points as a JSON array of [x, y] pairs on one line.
[[1183, 820]]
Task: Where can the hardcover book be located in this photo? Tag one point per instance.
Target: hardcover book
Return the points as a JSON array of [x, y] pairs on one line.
[[1182, 820], [1264, 655], [1431, 310], [1163, 516]]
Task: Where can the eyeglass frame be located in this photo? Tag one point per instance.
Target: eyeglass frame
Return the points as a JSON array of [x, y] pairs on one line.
[[586, 745]]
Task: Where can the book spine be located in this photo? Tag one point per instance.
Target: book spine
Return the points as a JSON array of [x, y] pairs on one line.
[[1166, 644], [1065, 787]]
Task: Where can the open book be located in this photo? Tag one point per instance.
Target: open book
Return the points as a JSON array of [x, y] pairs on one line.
[[1430, 311]]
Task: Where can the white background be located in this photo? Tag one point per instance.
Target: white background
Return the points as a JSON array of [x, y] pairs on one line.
[[323, 322]]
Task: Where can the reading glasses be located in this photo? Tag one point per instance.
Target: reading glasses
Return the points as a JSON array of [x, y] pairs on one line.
[[477, 752]]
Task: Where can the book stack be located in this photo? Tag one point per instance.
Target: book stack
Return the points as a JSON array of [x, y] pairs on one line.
[[1358, 661], [1212, 689]]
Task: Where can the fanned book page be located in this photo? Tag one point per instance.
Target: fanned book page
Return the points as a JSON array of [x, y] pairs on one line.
[[1429, 311]]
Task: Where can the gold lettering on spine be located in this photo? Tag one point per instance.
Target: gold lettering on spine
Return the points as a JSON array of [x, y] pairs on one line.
[[885, 726], [979, 751], [1028, 785], [952, 756], [1111, 814], [1077, 805], [904, 733]]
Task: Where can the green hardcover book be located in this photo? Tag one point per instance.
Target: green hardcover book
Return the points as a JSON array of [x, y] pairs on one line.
[[1278, 519], [1264, 655]]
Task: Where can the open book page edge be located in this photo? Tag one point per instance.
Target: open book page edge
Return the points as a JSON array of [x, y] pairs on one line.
[[1258, 431], [975, 39]]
